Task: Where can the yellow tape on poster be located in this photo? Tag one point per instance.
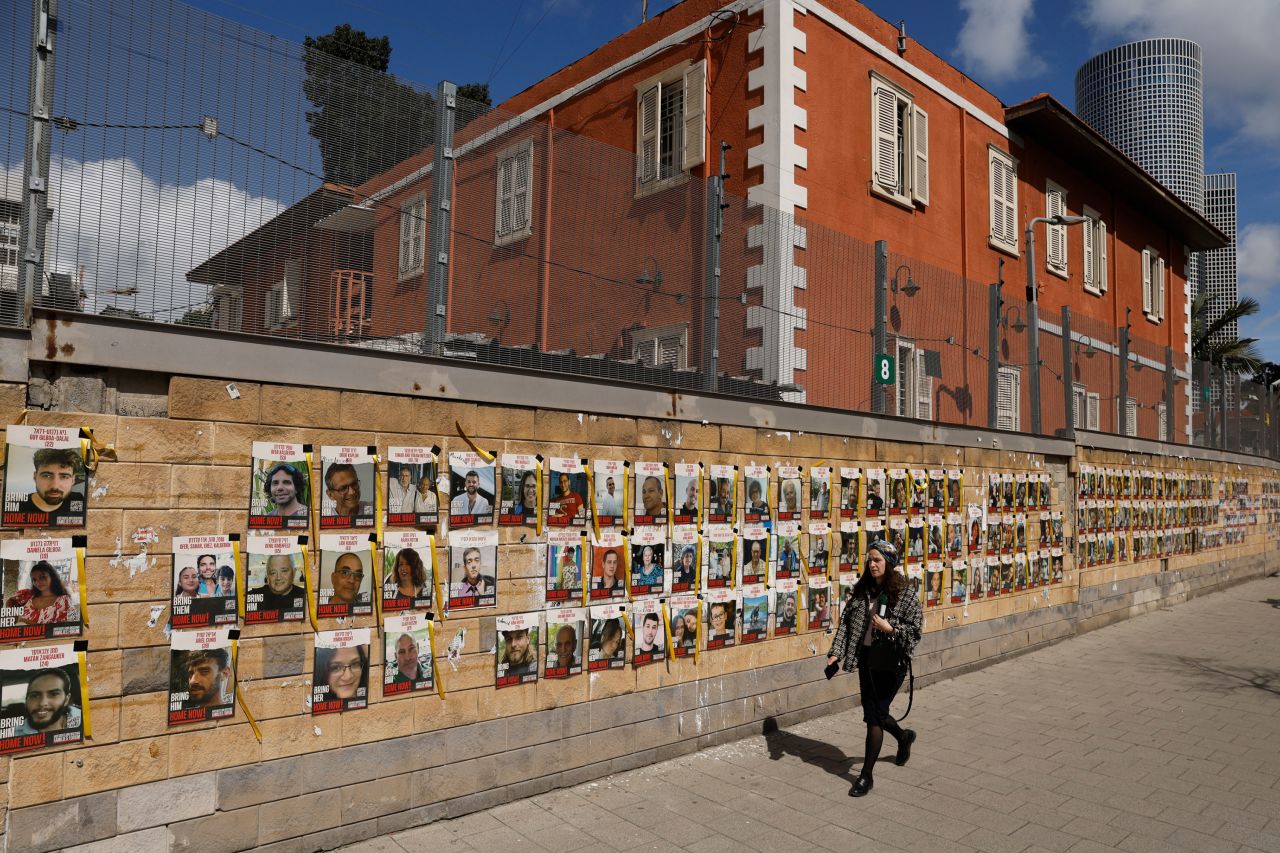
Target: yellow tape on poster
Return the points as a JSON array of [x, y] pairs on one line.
[[82, 658], [436, 674], [81, 543], [235, 673], [483, 454], [306, 580], [376, 594], [240, 573], [435, 576]]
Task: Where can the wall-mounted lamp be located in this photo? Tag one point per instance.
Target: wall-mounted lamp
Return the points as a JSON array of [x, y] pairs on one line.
[[1012, 319], [650, 273], [910, 288], [1088, 351]]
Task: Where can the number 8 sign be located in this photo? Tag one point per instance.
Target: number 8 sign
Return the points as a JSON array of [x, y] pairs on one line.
[[884, 370]]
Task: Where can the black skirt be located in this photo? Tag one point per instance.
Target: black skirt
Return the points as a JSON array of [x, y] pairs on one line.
[[877, 690]]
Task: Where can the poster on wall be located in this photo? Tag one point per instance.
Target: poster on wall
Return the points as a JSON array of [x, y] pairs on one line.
[[473, 569], [955, 489], [959, 581], [41, 697], [567, 502], [937, 497], [933, 580], [788, 563], [896, 534], [688, 492], [340, 680], [520, 499], [516, 652], [566, 641], [722, 606], [610, 478], [648, 561], [955, 534], [819, 604], [755, 554], [898, 491], [977, 578], [565, 552], [275, 579], [608, 644], [786, 605], [918, 491], [41, 588], [789, 490], [877, 492], [850, 547], [346, 575], [412, 481], [936, 544], [850, 493], [408, 570], [819, 492], [722, 507], [407, 645], [608, 567], [44, 477], [819, 558], [202, 679], [650, 494], [350, 479], [651, 629], [205, 572], [756, 509], [915, 540], [472, 489], [280, 486], [685, 613], [721, 557], [755, 613], [686, 559]]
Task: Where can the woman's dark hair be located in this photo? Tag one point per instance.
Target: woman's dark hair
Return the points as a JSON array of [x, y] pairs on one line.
[[299, 482], [893, 584], [416, 569], [55, 581], [325, 656], [226, 572]]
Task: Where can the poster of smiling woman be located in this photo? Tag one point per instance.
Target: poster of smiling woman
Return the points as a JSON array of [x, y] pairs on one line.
[[206, 571], [340, 680], [40, 588]]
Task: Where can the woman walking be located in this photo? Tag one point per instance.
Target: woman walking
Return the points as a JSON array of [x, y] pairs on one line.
[[878, 629]]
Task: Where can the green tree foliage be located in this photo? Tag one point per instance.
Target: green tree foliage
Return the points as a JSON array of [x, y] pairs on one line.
[[1211, 343], [364, 119]]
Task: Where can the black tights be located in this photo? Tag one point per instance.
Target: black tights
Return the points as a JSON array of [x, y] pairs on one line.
[[875, 739]]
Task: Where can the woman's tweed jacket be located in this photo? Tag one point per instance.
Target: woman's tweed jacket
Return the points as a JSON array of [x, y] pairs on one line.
[[905, 617]]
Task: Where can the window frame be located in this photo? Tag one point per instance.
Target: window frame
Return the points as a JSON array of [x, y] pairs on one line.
[[1154, 285], [283, 302], [654, 335], [692, 149], [998, 159], [1056, 250], [1093, 413], [1014, 403], [1094, 248], [228, 308], [511, 156], [408, 218], [1079, 405], [909, 141]]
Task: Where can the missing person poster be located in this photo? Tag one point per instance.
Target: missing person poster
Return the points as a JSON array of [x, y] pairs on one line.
[[608, 567], [722, 606], [651, 494], [516, 652], [937, 535], [341, 673], [755, 613], [567, 498], [977, 523], [955, 489], [955, 534], [407, 646], [350, 479], [897, 536], [933, 583], [819, 604], [850, 559], [471, 490], [346, 575], [280, 486], [819, 493], [850, 493], [918, 491], [650, 632], [685, 614], [275, 579], [755, 554], [205, 570], [688, 492], [756, 510], [412, 474], [648, 561], [565, 552], [1020, 491], [877, 492], [977, 578], [788, 563], [40, 698], [959, 581], [937, 497], [721, 551], [408, 570], [786, 605], [202, 679], [722, 507], [790, 488], [520, 500], [686, 558], [473, 569], [610, 479], [898, 491], [566, 641], [915, 540], [608, 643], [41, 588], [44, 477]]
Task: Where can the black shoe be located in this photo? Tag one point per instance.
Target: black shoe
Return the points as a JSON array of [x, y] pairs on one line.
[[861, 787], [904, 747]]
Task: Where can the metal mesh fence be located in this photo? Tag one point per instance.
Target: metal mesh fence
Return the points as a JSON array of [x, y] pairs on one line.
[[207, 174]]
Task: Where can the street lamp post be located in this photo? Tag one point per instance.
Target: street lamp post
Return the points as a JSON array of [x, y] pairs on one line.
[[1033, 311]]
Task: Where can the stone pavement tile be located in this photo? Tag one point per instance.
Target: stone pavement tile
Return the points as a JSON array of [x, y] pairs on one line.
[[1086, 845], [994, 842], [1232, 816], [501, 838], [1189, 839], [1250, 837], [384, 844], [620, 835], [1050, 839], [681, 831], [1087, 809], [716, 844], [559, 837], [1095, 830], [840, 840], [411, 841], [1144, 826]]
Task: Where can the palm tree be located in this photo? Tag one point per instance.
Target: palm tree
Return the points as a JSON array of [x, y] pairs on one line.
[[1226, 352]]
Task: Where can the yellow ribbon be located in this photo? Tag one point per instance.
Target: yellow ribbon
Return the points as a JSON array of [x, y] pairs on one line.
[[483, 454], [240, 578], [697, 565], [626, 518], [626, 566], [306, 580], [537, 510], [435, 576], [582, 567], [84, 695], [80, 581], [595, 519], [235, 673], [376, 592], [669, 484], [697, 645], [436, 675], [377, 498], [702, 497], [666, 627], [315, 506]]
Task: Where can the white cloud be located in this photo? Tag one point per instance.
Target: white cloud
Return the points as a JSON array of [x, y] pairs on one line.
[[1258, 259], [1241, 63], [994, 41], [127, 230]]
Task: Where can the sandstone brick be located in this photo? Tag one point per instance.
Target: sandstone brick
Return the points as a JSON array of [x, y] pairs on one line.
[[136, 630], [35, 779], [208, 399], [289, 405], [130, 576], [168, 801], [299, 816], [458, 709], [102, 526], [144, 715], [104, 672], [163, 440], [379, 721], [13, 400], [63, 824], [221, 832], [251, 784], [434, 417], [212, 748], [587, 428], [161, 525], [154, 840], [101, 768], [496, 422], [379, 412], [297, 735], [203, 486], [129, 484]]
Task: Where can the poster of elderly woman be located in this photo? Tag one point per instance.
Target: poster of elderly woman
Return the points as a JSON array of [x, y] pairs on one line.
[[41, 588]]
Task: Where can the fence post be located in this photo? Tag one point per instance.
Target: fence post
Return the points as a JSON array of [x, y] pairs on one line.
[[1222, 407], [1068, 375], [1170, 418], [35, 170], [441, 223], [711, 301], [879, 336], [1122, 407], [993, 354]]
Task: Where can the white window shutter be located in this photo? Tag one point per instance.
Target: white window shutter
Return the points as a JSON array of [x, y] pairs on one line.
[[1078, 407], [1159, 289], [1007, 394], [502, 211], [1091, 419], [924, 390], [997, 201], [920, 142], [1100, 279], [1162, 422], [1146, 281], [520, 185], [1011, 205], [1088, 231], [884, 122], [1130, 417], [647, 135], [695, 109], [1056, 256]]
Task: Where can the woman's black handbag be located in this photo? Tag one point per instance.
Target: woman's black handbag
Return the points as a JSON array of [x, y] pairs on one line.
[[883, 656]]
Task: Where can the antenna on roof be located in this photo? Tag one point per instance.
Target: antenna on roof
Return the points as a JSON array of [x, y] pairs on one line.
[[902, 36], [644, 10]]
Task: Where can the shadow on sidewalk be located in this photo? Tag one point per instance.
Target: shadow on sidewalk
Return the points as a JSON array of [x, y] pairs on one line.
[[1274, 602], [1220, 676], [810, 751]]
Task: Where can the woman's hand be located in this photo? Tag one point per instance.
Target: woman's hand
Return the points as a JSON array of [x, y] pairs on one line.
[[831, 660], [881, 623]]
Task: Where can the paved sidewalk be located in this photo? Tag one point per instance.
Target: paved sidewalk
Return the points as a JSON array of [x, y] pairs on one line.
[[1159, 733]]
